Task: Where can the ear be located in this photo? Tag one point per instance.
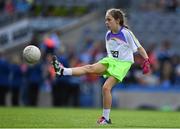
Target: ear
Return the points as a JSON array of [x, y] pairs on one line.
[[118, 21]]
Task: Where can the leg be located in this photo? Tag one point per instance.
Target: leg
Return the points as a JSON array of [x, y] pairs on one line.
[[33, 92], [15, 96], [96, 68], [3, 93], [107, 98]]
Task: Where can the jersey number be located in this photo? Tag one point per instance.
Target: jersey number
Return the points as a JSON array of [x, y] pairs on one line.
[[115, 54]]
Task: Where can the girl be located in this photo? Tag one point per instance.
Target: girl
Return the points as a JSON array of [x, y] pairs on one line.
[[120, 45]]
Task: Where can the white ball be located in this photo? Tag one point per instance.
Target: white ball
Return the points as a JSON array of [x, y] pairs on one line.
[[31, 54]]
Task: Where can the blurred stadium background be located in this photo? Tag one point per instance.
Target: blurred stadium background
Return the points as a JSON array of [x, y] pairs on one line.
[[74, 30]]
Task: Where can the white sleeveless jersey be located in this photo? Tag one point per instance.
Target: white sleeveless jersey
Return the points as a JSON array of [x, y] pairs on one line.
[[122, 45]]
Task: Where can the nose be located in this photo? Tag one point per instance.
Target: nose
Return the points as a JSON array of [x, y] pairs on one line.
[[106, 22]]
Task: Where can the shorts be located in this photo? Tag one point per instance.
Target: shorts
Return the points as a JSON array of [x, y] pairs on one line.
[[115, 68]]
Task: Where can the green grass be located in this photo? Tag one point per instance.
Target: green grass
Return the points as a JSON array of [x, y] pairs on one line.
[[85, 118]]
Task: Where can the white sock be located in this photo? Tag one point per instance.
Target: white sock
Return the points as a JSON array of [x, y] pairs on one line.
[[106, 113], [67, 71]]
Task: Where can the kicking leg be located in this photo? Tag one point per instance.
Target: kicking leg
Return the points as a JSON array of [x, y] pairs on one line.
[[96, 68]]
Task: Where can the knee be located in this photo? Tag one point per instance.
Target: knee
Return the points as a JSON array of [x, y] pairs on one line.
[[106, 89], [90, 69]]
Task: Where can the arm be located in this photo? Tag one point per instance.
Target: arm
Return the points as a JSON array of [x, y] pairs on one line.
[[146, 63], [136, 46], [142, 52]]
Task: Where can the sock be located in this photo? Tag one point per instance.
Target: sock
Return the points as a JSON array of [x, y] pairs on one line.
[[67, 71], [106, 113]]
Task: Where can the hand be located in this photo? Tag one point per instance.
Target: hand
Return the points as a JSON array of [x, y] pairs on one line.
[[146, 66]]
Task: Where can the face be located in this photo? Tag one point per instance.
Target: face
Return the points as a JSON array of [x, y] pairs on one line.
[[111, 23]]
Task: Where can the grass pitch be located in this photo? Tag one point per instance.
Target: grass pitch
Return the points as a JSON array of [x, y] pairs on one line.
[[85, 118]]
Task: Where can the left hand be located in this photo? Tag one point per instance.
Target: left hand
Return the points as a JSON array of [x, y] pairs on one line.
[[146, 66]]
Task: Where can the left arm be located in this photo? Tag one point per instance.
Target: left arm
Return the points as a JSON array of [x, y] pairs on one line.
[[136, 46], [146, 63], [142, 52]]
